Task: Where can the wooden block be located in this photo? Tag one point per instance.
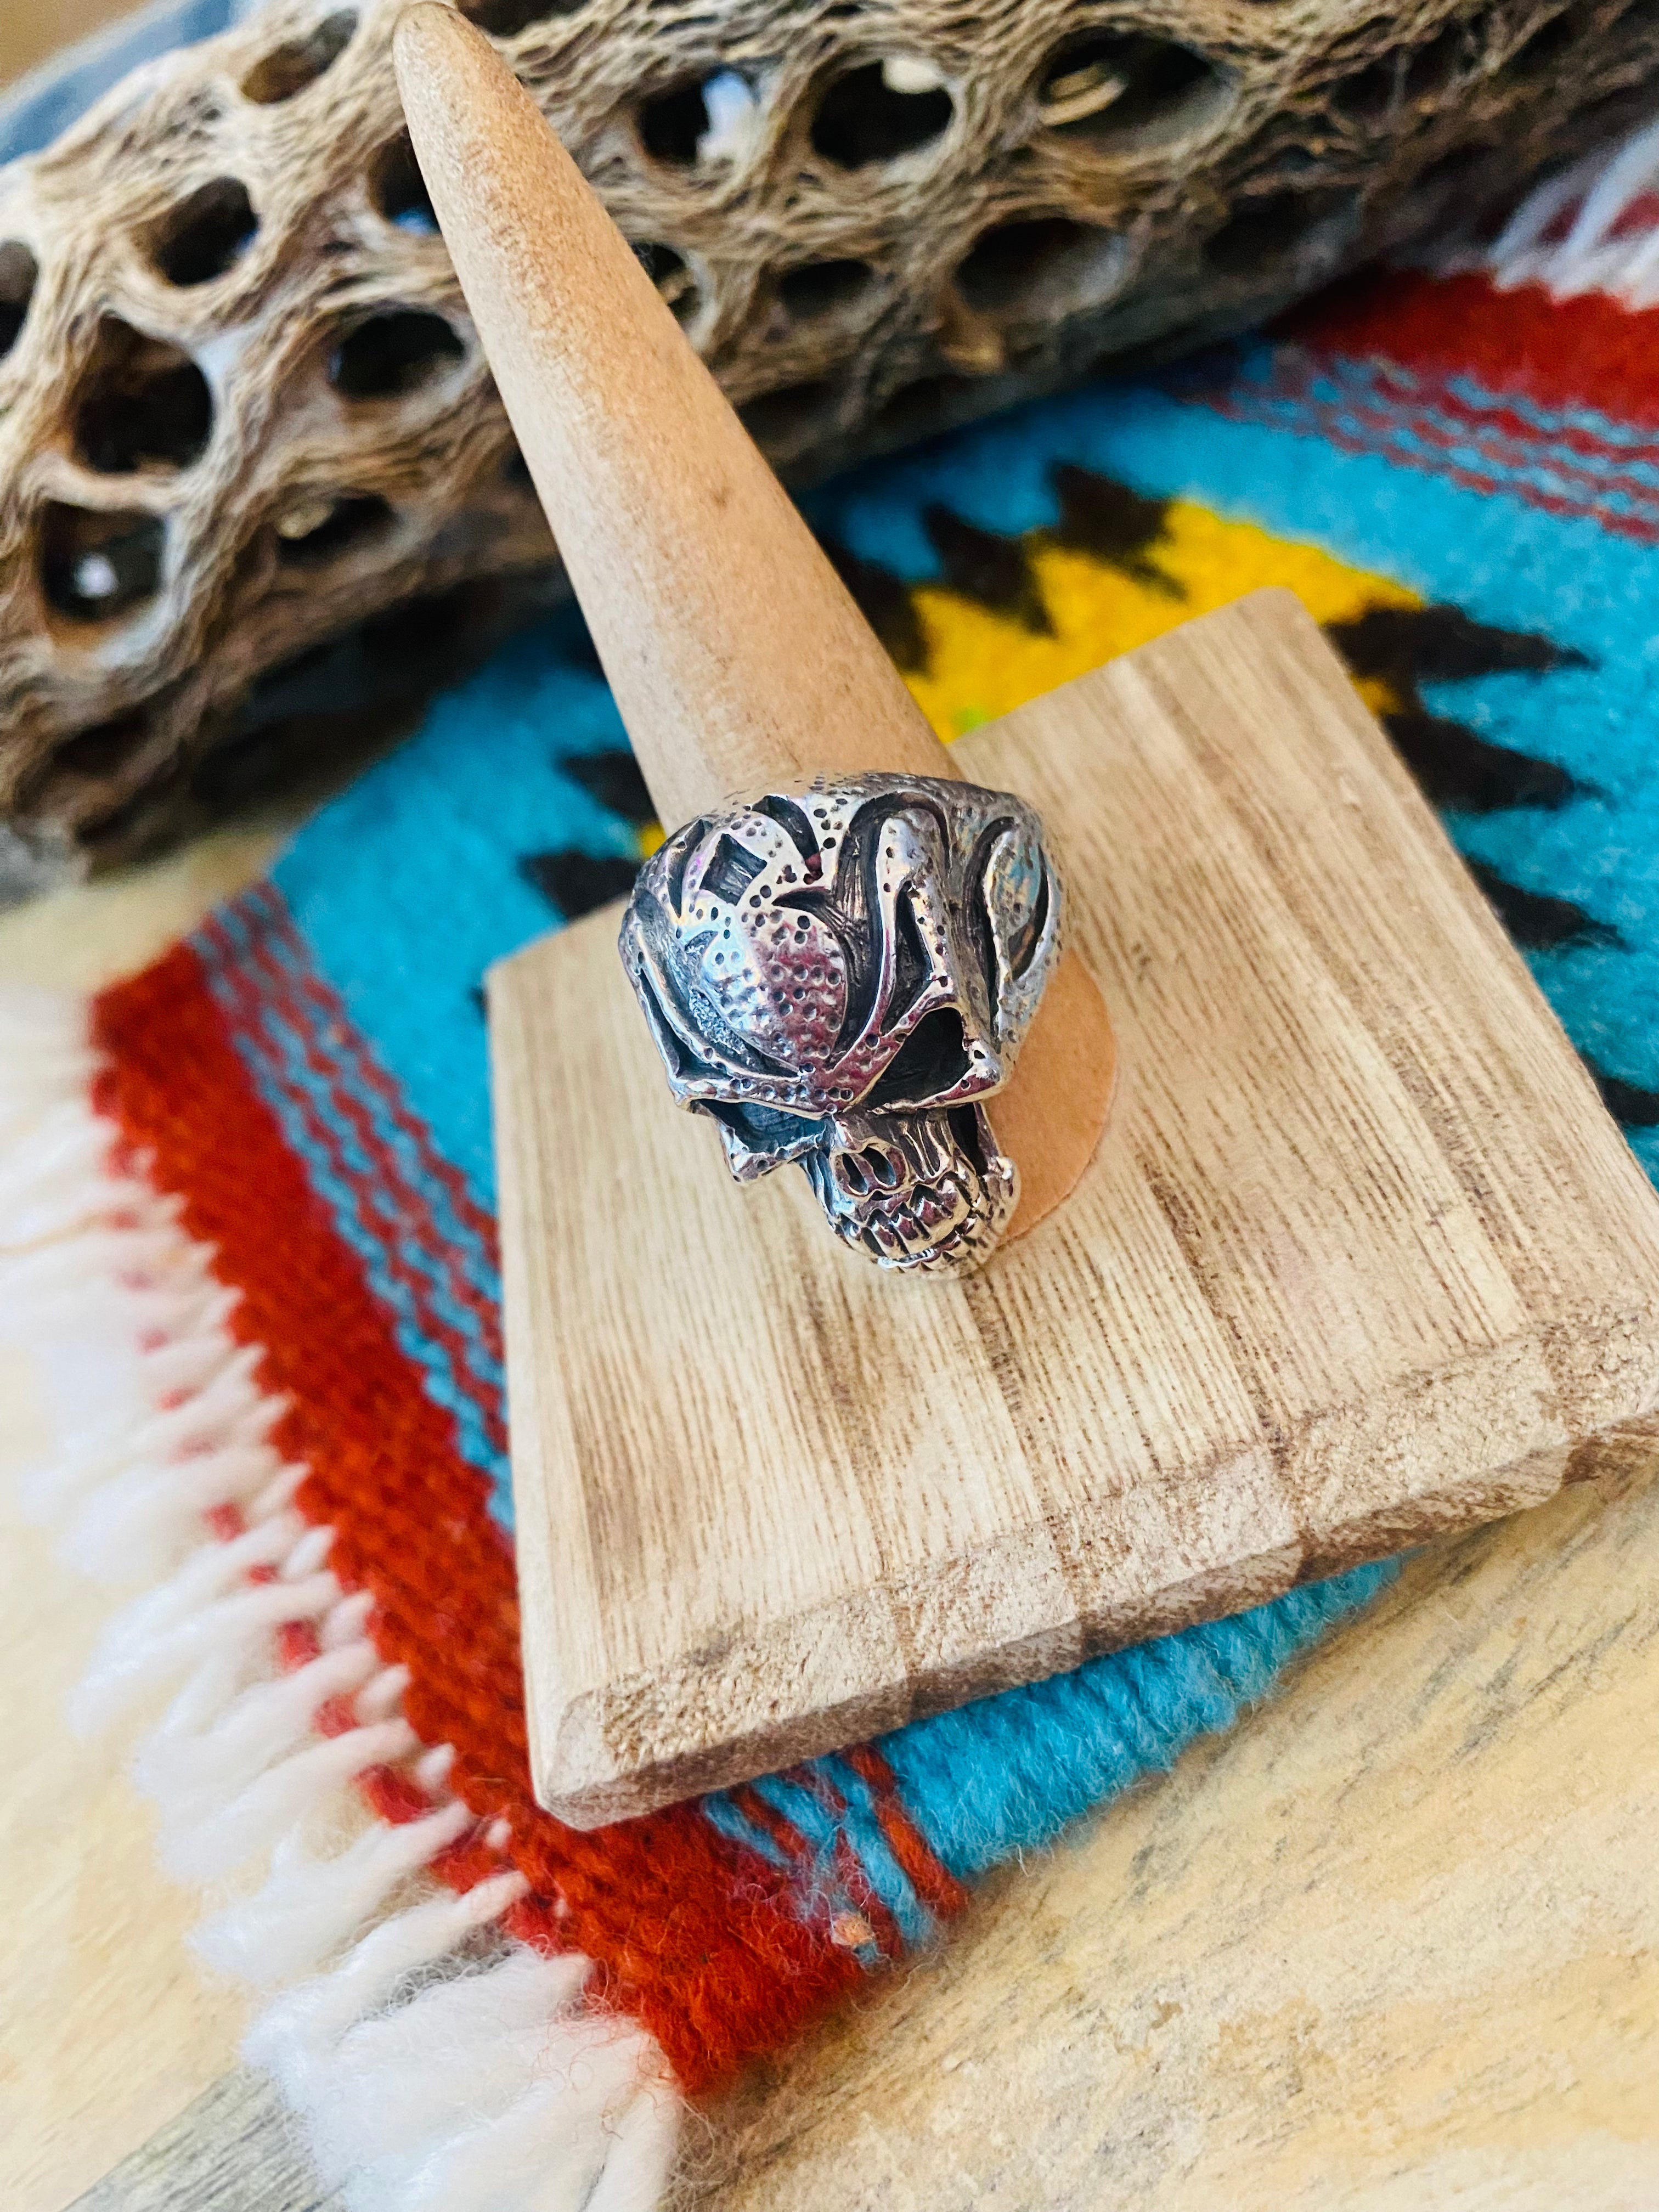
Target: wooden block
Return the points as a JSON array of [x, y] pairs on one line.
[[1362, 1257]]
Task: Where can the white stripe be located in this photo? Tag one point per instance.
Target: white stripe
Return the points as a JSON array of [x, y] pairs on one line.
[[1599, 192], [425, 2077]]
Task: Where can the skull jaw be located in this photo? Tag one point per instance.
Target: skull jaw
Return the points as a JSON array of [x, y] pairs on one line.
[[935, 1204]]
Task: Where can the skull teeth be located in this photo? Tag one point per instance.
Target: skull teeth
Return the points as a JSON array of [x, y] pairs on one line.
[[928, 1229]]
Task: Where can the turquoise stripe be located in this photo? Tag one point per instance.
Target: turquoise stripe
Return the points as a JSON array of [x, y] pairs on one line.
[[1007, 1775], [807, 1811], [283, 1083], [406, 887]]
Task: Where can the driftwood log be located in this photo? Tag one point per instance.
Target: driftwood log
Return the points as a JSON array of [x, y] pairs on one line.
[[254, 477]]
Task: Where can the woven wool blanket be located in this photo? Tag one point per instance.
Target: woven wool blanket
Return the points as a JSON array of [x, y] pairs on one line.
[[246, 1215]]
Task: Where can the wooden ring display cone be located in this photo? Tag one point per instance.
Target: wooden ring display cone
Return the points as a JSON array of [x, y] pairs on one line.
[[737, 656], [1362, 1258]]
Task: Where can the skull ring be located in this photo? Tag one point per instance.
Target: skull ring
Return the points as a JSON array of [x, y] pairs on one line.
[[842, 976]]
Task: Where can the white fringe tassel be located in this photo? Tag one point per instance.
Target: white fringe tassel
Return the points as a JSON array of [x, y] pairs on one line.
[[436, 2065], [1566, 235]]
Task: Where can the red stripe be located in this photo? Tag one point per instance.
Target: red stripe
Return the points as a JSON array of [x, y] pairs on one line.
[[1589, 352], [1331, 424], [1522, 446], [331, 1011], [389, 1195], [695, 1938], [1297, 371], [937, 1887], [311, 1009]]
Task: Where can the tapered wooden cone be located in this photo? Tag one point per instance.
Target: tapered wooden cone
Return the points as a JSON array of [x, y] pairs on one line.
[[736, 656]]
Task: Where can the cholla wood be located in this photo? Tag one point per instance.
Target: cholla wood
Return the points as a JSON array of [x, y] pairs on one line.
[[244, 412], [1362, 1257]]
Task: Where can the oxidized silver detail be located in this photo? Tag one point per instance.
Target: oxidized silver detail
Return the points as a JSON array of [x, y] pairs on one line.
[[841, 976]]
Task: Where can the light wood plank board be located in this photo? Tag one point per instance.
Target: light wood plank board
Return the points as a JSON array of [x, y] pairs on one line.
[[1362, 1258], [1391, 1941]]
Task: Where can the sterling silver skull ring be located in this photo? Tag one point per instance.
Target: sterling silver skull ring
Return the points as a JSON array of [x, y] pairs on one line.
[[842, 976]]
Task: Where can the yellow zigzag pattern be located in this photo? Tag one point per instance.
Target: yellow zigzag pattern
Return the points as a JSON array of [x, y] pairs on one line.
[[982, 665]]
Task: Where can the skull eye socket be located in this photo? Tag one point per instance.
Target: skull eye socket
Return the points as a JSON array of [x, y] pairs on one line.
[[912, 970], [758, 1139], [932, 1058]]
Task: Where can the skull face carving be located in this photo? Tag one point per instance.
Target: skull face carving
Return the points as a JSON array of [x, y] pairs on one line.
[[840, 977]]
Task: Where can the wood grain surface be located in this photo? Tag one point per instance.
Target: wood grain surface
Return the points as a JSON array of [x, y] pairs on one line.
[[1362, 1258], [1391, 1945]]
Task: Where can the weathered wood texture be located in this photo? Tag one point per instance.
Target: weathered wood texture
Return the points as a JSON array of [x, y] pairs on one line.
[[235, 2150], [1392, 1945], [1362, 1258]]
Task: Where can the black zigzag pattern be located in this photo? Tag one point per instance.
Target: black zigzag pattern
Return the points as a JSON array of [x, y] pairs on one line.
[[995, 571], [1539, 922], [1403, 648], [575, 882], [1110, 521], [1406, 648]]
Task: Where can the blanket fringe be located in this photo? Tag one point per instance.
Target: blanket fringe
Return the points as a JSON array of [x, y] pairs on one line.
[[433, 2061], [1586, 228]]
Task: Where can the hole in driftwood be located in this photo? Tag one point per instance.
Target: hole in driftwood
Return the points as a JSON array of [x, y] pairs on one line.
[[790, 415], [705, 118], [288, 69], [1402, 78], [672, 123], [1038, 263], [129, 829], [825, 288], [504, 19], [18, 272], [1267, 232], [206, 233], [320, 528], [880, 111], [397, 188], [1459, 170], [94, 566], [417, 630], [143, 403], [672, 278], [1544, 48], [1116, 84], [393, 352], [99, 751]]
